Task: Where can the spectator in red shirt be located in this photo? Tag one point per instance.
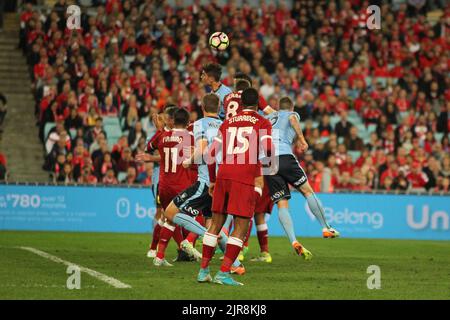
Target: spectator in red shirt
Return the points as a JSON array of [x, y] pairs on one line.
[[86, 176], [417, 178]]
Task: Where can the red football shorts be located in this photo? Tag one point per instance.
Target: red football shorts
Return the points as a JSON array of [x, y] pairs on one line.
[[235, 198], [167, 193], [263, 203]]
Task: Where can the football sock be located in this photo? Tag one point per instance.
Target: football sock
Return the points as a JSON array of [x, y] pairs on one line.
[[184, 232], [178, 235], [165, 235], [192, 237], [223, 246], [286, 221], [247, 236], [155, 237], [209, 246], [263, 237], [189, 223], [317, 209], [234, 246]]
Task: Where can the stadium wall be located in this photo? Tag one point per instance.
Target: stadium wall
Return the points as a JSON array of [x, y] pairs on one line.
[[129, 209]]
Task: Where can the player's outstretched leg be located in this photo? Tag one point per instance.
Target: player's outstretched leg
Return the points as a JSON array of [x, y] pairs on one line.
[[316, 208], [286, 221]]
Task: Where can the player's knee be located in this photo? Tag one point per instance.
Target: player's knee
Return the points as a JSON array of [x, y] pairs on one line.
[[283, 203], [171, 211], [306, 189]]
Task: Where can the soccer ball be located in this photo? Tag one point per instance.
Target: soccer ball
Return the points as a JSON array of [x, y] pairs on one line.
[[219, 41]]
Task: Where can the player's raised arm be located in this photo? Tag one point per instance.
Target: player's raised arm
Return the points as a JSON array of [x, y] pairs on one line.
[[294, 120], [264, 106]]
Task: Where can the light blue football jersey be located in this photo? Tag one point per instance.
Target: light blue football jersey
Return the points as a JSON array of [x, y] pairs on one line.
[[283, 134], [206, 128], [222, 92]]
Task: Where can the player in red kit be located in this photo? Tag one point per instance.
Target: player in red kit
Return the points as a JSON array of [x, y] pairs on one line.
[[240, 140], [264, 206], [232, 104], [174, 146], [165, 122]]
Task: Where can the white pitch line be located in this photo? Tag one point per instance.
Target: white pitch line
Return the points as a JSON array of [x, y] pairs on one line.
[[103, 277]]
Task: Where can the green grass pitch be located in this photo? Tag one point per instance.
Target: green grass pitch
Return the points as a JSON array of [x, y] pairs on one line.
[[409, 269]]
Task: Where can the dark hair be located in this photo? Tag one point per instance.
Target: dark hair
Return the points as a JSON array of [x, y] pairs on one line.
[[214, 70], [211, 102], [286, 103], [170, 110], [242, 84], [243, 76], [250, 97], [181, 117]]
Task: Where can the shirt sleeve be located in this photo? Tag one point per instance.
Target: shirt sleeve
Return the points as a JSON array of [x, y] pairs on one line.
[[152, 143], [265, 138], [262, 103]]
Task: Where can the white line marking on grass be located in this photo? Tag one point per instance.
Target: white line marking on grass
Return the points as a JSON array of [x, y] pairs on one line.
[[103, 277]]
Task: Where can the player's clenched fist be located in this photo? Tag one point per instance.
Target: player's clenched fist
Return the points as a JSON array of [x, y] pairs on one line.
[[303, 146]]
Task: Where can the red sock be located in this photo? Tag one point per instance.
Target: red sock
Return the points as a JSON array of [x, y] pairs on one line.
[[178, 235], [166, 234], [209, 247], [263, 237], [234, 246], [155, 237], [200, 219], [184, 233], [192, 237], [247, 236]]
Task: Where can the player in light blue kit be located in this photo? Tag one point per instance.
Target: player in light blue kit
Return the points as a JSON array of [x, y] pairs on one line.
[[286, 128], [188, 204], [210, 76]]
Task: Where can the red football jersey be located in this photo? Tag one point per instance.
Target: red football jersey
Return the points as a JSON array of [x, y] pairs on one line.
[[232, 104], [174, 146], [242, 138]]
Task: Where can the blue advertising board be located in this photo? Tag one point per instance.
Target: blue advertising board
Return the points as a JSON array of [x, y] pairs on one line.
[[121, 209]]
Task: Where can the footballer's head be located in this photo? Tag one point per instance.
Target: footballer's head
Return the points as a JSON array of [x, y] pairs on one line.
[[210, 103], [286, 103], [181, 118], [241, 85], [169, 111], [242, 76], [249, 98], [211, 73]]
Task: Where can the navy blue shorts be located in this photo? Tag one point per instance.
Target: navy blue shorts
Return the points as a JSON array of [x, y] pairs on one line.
[[289, 173], [194, 200]]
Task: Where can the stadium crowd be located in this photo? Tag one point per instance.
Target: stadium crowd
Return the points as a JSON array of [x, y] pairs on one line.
[[130, 58]]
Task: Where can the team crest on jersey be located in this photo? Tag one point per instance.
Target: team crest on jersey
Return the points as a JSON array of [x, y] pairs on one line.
[[273, 120]]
